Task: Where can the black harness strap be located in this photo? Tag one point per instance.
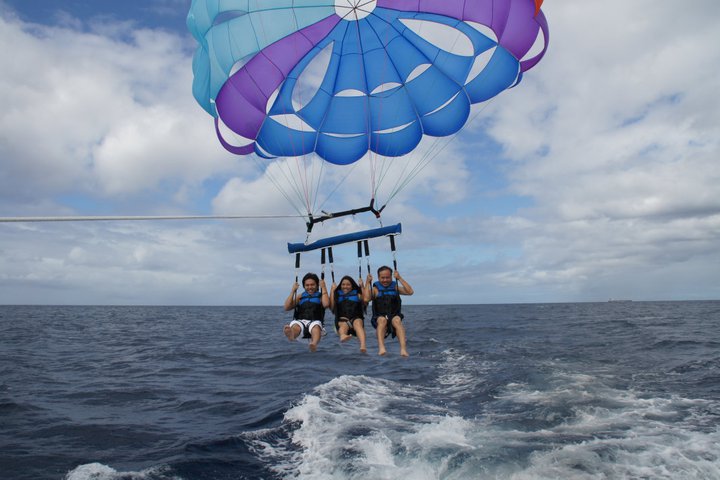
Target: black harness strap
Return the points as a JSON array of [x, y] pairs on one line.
[[392, 247], [330, 257], [367, 256]]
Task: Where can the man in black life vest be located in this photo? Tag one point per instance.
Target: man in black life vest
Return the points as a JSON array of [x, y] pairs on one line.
[[309, 316], [386, 305]]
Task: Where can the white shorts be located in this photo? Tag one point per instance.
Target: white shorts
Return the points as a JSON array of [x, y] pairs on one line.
[[306, 327]]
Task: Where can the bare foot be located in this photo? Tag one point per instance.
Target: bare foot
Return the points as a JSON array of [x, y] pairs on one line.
[[363, 349], [313, 347], [345, 338], [287, 330], [404, 353], [382, 351]]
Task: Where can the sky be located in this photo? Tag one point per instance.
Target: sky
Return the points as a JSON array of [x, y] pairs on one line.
[[597, 178]]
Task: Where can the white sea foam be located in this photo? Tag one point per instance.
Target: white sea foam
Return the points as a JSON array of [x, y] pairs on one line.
[[360, 427], [98, 471], [460, 372], [612, 433], [92, 471], [357, 427]]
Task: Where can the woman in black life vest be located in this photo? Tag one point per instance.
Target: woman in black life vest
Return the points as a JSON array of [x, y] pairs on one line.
[[348, 303]]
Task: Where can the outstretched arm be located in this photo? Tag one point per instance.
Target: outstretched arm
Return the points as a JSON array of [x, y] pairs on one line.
[[404, 287], [290, 300]]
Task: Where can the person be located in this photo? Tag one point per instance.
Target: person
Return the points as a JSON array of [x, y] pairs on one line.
[[309, 316], [386, 307], [348, 303]]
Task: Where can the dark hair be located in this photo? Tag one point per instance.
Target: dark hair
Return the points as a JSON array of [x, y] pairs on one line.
[[354, 286], [384, 267], [311, 276], [352, 282]]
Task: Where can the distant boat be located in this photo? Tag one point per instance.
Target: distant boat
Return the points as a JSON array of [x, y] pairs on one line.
[[616, 300]]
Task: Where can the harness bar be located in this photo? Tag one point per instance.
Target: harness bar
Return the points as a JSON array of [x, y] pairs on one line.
[[345, 238]]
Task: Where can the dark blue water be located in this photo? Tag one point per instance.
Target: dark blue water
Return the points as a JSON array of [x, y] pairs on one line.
[[581, 391]]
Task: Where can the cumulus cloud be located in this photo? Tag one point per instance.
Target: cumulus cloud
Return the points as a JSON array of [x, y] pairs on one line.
[[596, 177], [103, 112], [614, 138], [623, 124], [206, 262]]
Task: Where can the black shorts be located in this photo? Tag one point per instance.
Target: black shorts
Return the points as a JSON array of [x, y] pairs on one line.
[[389, 329], [351, 330]]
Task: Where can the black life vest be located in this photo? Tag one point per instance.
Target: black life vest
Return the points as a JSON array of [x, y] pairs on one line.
[[309, 307], [387, 302], [348, 305]]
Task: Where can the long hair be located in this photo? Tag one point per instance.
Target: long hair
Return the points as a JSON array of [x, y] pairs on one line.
[[354, 286]]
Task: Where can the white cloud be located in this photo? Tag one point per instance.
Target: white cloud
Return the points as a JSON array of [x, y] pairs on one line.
[[614, 136], [609, 147], [104, 113]]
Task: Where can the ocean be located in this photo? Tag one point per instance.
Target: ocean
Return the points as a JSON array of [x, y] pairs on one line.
[[616, 390]]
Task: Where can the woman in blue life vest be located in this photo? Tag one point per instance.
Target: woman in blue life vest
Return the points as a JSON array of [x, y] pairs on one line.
[[348, 303], [386, 305], [309, 316]]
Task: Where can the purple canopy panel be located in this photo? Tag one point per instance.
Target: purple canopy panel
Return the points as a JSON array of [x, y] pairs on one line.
[[521, 28], [241, 150], [242, 101], [238, 112], [514, 22], [526, 65]]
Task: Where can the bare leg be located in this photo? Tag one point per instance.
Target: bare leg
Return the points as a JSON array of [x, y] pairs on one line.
[[315, 335], [400, 332], [381, 329], [292, 332], [343, 332], [360, 332]]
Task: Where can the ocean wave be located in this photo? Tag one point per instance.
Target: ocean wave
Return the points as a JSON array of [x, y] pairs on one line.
[[98, 471], [357, 427], [505, 392]]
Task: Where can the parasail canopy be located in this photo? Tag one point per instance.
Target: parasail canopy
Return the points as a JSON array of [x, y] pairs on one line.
[[343, 79], [392, 70]]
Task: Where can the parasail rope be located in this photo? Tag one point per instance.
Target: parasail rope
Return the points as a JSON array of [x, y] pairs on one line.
[[404, 179], [430, 156], [140, 218], [337, 187], [301, 185], [277, 184]]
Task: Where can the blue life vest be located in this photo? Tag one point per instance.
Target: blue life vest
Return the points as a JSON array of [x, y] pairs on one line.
[[387, 302], [348, 305], [309, 307]]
